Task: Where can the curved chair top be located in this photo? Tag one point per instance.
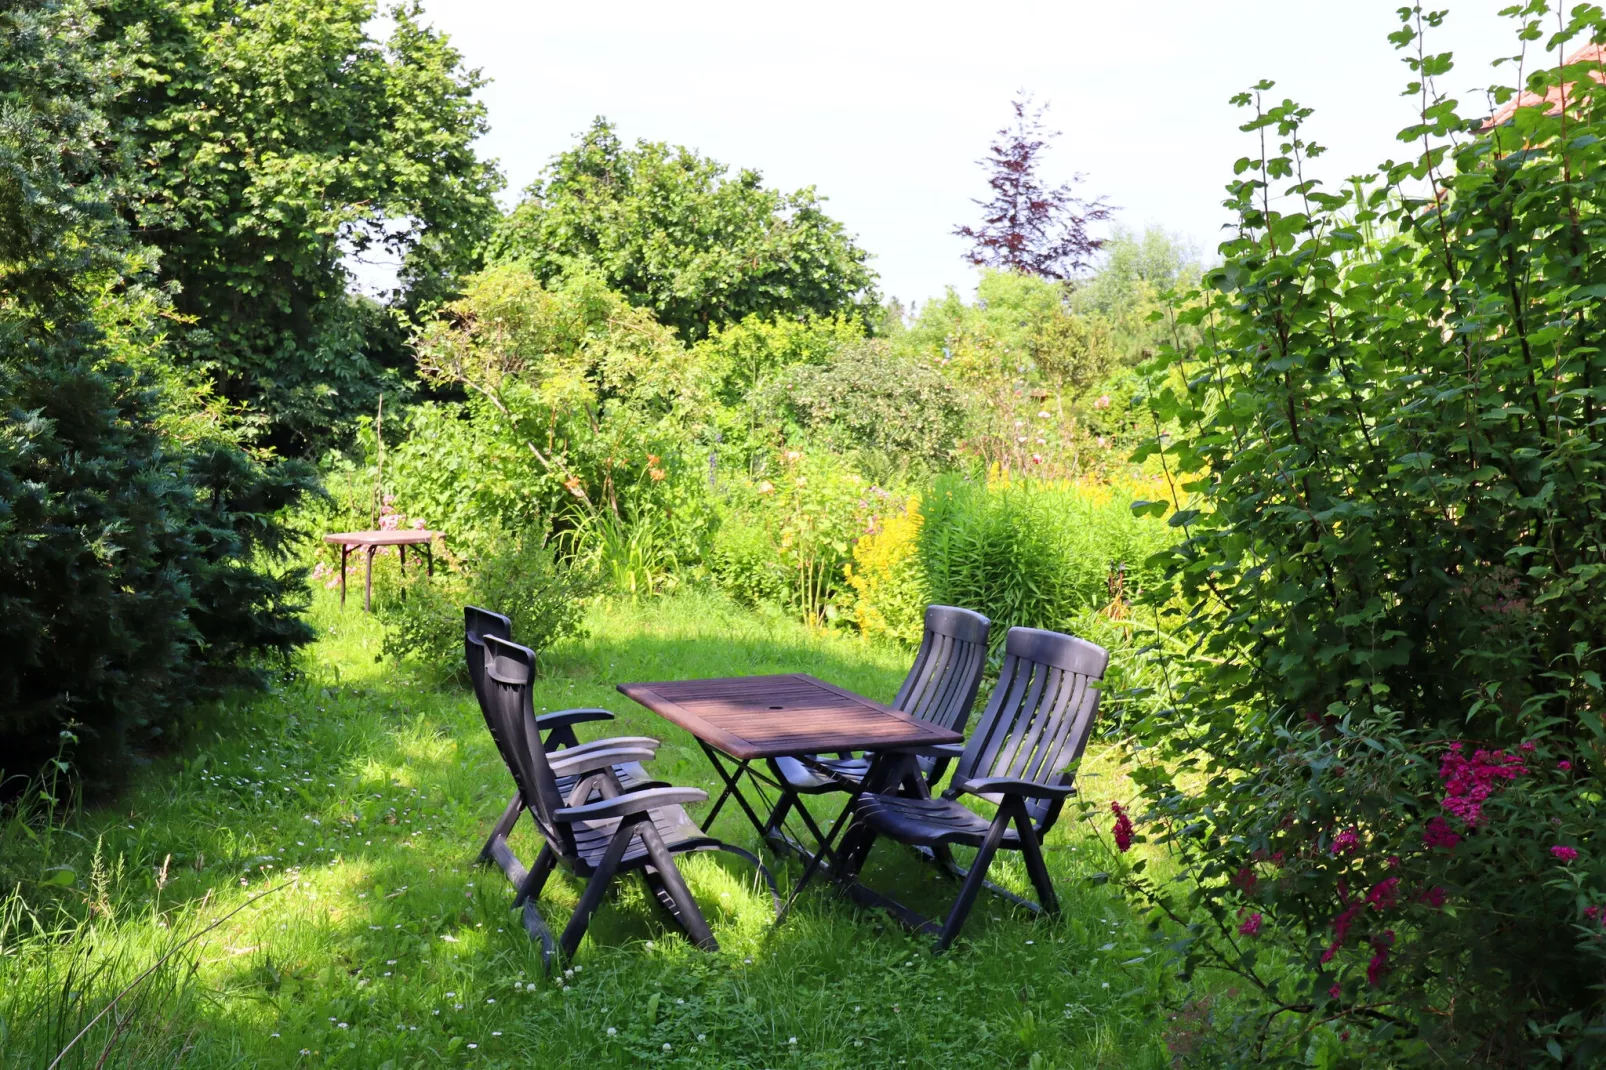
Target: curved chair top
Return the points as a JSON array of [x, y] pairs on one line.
[[1039, 716], [965, 625]]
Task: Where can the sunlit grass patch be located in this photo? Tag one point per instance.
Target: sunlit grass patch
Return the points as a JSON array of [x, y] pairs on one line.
[[363, 799]]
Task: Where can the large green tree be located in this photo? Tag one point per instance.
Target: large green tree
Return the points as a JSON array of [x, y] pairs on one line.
[[274, 140], [675, 234], [132, 576]]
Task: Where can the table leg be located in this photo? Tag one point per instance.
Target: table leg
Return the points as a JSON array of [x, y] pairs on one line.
[[368, 584], [403, 548], [344, 551], [731, 789], [429, 560]]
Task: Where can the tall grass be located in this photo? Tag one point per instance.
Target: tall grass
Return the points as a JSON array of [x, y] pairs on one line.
[[1034, 553]]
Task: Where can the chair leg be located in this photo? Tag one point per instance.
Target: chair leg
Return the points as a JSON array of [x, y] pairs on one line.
[[689, 916], [535, 880], [1032, 850], [591, 898], [504, 825], [973, 882], [855, 850]]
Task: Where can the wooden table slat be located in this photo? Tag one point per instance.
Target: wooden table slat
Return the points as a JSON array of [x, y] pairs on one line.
[[751, 717]]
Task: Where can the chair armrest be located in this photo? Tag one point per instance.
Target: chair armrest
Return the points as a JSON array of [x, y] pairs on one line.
[[994, 785], [590, 761], [611, 743], [634, 802], [562, 718]]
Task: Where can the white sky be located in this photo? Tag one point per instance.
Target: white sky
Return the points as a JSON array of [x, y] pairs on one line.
[[885, 107]]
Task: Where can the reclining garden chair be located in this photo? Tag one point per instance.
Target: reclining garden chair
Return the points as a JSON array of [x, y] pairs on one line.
[[596, 840], [941, 688], [557, 731], [1036, 725]]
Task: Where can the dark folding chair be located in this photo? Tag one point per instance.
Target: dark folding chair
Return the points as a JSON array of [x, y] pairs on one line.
[[557, 728], [1036, 725], [621, 831], [940, 688]]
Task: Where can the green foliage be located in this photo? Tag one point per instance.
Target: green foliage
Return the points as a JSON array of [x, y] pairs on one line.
[[1385, 737], [136, 566], [272, 137], [1031, 553], [672, 233], [513, 573], [866, 398]]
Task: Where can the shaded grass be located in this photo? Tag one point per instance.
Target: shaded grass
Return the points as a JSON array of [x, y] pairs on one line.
[[363, 796]]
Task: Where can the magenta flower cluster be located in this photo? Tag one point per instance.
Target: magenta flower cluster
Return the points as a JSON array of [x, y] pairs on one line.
[[1468, 782], [1123, 828]]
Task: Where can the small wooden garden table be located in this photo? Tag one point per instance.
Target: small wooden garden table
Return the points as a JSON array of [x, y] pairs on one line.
[[371, 541], [742, 719]]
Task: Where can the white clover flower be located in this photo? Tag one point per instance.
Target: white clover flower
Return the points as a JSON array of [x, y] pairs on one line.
[[612, 1031], [667, 1046]]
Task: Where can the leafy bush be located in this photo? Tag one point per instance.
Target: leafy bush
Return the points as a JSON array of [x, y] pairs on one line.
[[512, 573], [1032, 553], [866, 398], [1380, 767]]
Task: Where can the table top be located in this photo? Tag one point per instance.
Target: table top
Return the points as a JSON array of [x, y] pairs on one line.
[[398, 537], [771, 716]]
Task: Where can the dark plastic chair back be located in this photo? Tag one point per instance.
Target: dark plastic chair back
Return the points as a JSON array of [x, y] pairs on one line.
[[1040, 715], [478, 623], [942, 683], [509, 670]]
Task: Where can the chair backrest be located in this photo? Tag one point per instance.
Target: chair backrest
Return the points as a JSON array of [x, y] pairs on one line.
[[1040, 715], [941, 685], [509, 670], [478, 623]]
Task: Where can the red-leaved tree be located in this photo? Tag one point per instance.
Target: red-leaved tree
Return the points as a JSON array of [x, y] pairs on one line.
[[1025, 226]]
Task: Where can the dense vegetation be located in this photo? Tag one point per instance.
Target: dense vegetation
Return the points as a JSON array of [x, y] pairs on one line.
[[1333, 503]]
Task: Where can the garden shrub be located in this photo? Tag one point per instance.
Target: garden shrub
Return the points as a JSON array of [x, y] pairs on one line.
[[866, 398], [1378, 766], [514, 573], [1032, 553]]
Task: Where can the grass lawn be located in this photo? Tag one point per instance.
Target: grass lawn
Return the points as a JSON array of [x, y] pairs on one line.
[[353, 802]]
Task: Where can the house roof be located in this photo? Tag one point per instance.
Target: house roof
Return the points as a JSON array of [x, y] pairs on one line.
[[1556, 95]]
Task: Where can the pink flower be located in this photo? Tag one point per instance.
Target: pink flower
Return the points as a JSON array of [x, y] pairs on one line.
[[1468, 782], [1433, 897], [1341, 926], [1592, 913], [1439, 834], [1346, 842], [1123, 828], [1384, 894], [1251, 927], [1563, 852], [1335, 991], [1393, 862], [1526, 745], [1246, 880], [1564, 765]]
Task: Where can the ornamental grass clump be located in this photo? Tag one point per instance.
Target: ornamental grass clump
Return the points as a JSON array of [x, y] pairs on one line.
[[1385, 743]]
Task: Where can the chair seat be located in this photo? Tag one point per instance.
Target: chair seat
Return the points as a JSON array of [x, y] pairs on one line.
[[674, 824], [630, 774], [928, 822], [806, 780]]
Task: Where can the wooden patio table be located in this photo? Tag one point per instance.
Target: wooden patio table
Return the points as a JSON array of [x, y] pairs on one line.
[[371, 541], [741, 720]]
